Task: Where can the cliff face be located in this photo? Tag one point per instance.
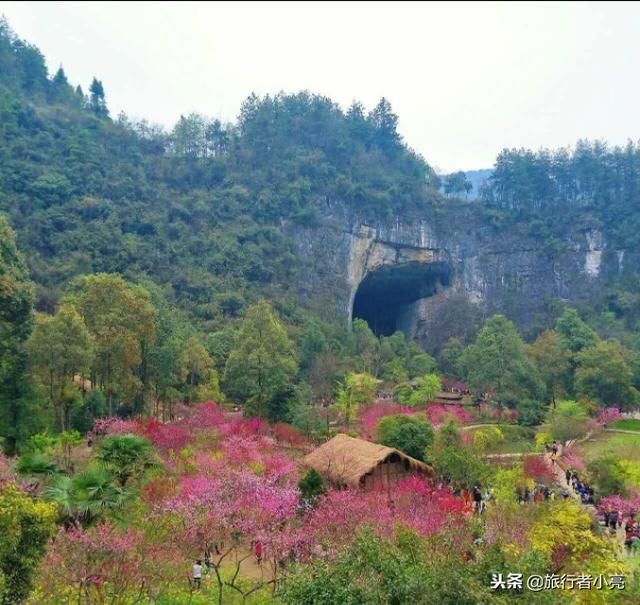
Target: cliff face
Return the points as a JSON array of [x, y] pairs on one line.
[[447, 260]]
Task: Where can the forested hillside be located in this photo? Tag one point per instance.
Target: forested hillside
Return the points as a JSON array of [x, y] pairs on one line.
[[196, 209], [180, 424]]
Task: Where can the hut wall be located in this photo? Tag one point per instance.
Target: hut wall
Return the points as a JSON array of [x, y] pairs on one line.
[[385, 473]]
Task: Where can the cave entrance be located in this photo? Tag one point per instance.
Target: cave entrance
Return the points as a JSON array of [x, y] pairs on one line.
[[384, 294]]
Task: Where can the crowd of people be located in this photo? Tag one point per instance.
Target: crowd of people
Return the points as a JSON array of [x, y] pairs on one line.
[[580, 487]]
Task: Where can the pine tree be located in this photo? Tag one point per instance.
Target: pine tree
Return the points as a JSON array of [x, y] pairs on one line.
[[97, 100]]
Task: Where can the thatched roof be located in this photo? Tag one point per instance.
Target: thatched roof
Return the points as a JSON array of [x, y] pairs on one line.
[[346, 460]]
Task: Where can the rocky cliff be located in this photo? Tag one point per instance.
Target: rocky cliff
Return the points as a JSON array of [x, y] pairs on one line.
[[410, 275]]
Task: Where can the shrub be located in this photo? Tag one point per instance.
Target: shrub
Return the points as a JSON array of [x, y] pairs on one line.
[[409, 434]]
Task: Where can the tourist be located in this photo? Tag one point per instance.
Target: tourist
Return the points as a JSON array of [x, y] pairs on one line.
[[477, 499], [197, 574], [258, 551]]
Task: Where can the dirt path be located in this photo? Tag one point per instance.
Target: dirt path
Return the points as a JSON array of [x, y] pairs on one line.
[[625, 431]]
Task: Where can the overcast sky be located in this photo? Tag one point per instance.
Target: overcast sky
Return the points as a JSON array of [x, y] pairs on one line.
[[465, 79]]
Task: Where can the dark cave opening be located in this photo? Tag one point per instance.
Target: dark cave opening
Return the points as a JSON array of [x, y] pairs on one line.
[[383, 293]]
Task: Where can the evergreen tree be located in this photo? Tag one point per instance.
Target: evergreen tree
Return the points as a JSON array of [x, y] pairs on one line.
[[16, 320], [97, 100]]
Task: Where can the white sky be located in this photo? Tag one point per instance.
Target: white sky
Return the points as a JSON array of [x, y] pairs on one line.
[[466, 79]]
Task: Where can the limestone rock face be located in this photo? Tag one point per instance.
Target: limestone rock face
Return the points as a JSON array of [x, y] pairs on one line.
[[466, 263]]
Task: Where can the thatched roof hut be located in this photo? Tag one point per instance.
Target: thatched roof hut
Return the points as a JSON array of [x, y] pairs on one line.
[[346, 460]]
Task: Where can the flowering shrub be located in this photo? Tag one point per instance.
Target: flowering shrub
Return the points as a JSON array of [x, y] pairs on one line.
[[371, 415], [285, 433], [573, 461], [618, 503], [116, 426], [166, 436], [536, 468], [439, 414], [608, 416]]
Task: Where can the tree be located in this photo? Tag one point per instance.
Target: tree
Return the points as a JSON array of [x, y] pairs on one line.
[[385, 123], [354, 391], [374, 570], [454, 462], [497, 362], [409, 434], [261, 367], [197, 371], [426, 389], [120, 318], [311, 486], [60, 348], [97, 100], [568, 420], [530, 412], [574, 334], [609, 475], [25, 528], [86, 497], [450, 357], [16, 320], [457, 183], [126, 456], [603, 375], [553, 363]]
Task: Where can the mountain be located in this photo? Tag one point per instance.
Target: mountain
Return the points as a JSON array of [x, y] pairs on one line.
[[300, 202]]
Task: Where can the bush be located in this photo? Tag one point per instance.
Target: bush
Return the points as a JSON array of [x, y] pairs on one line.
[[531, 412], [311, 485], [409, 434], [609, 475]]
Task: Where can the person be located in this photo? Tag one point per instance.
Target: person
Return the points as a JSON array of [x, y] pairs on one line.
[[554, 447], [477, 499], [257, 550], [537, 497], [632, 533], [567, 475], [197, 574]]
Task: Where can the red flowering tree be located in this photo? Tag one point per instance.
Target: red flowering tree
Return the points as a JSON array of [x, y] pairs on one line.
[[102, 565]]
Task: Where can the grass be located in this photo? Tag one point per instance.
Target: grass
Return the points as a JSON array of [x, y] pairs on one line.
[[624, 446], [627, 424], [516, 439]]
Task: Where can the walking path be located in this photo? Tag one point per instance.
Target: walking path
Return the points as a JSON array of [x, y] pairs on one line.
[[627, 432]]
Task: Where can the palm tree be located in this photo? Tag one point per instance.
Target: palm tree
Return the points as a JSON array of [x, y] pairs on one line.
[[88, 496], [126, 456]]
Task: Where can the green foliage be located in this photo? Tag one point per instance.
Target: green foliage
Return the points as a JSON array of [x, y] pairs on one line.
[[16, 315], [93, 406], [568, 420], [530, 412], [356, 390], [88, 496], [421, 391], [25, 529], [126, 456], [454, 462], [60, 348], [311, 485], [609, 475], [375, 571], [497, 362], [262, 364], [574, 333], [603, 375], [552, 357], [409, 434]]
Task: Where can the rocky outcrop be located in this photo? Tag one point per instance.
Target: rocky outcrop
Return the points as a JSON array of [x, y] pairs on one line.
[[491, 271]]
